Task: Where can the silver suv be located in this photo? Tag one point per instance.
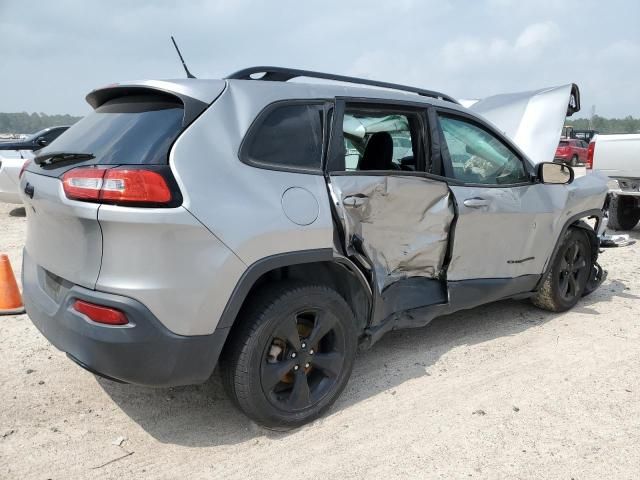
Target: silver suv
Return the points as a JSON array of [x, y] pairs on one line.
[[273, 227]]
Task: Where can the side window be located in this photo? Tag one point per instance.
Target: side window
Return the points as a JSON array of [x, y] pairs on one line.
[[381, 140], [52, 135], [477, 156], [289, 136]]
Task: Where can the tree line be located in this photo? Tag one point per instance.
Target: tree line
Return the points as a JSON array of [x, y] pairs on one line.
[[24, 122], [607, 125]]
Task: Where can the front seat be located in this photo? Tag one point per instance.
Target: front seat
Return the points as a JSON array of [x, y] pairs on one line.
[[378, 154]]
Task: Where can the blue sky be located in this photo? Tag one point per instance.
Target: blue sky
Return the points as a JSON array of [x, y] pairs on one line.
[[53, 53]]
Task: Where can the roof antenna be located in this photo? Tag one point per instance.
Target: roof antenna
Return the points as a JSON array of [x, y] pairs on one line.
[[189, 74]]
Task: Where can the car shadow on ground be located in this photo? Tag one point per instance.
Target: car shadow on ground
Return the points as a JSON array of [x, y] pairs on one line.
[[18, 212], [202, 415]]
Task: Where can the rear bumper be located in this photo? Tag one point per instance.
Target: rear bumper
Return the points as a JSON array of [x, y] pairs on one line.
[[624, 187], [624, 193], [143, 352]]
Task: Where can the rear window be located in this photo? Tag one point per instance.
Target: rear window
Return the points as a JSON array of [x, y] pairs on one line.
[[287, 136], [126, 130], [563, 143]]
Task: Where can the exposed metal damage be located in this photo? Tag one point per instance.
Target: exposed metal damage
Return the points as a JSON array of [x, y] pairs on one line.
[[399, 223]]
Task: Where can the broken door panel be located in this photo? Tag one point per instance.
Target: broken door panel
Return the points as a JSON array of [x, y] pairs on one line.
[[400, 223]]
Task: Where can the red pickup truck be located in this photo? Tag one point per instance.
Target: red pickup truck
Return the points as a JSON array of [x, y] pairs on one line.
[[571, 151]]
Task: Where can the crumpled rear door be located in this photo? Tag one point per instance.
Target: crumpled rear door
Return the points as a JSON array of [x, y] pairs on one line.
[[395, 223], [398, 227]]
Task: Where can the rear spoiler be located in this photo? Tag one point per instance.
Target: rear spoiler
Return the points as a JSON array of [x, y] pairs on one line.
[[195, 95]]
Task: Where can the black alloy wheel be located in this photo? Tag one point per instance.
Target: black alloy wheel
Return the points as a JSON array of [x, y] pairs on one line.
[[304, 359], [291, 354], [565, 283], [573, 270]]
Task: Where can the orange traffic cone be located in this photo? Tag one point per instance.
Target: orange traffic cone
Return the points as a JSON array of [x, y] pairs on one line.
[[10, 298]]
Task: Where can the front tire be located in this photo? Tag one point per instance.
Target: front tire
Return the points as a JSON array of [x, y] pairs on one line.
[[623, 213], [564, 284], [292, 355]]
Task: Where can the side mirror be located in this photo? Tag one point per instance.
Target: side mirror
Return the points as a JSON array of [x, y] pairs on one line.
[[42, 142], [555, 173]]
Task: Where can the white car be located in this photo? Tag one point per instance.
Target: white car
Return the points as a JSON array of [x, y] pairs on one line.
[[11, 162], [618, 157]]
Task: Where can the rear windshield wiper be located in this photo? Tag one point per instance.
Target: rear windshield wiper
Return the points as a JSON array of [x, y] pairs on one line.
[[56, 157]]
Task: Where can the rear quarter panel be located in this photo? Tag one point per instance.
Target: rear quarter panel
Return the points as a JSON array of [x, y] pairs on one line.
[[170, 262], [242, 204]]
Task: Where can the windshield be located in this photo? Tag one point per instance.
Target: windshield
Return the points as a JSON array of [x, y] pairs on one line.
[[125, 130]]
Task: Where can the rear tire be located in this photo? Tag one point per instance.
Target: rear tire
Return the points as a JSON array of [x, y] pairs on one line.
[[292, 355], [565, 283], [623, 213], [574, 161]]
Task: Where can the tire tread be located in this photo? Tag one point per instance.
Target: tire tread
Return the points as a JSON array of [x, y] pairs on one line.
[[236, 356]]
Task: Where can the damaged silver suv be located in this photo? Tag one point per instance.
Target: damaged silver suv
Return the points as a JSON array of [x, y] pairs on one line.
[[273, 227]]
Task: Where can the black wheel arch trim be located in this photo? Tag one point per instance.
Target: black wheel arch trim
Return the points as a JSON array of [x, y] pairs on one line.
[[257, 269], [575, 221]]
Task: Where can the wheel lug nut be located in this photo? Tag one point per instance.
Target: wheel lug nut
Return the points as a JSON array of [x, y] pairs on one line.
[[307, 365], [304, 345], [296, 367], [294, 355], [311, 352]]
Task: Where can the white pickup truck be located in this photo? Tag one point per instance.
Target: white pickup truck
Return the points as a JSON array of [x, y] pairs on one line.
[[618, 157]]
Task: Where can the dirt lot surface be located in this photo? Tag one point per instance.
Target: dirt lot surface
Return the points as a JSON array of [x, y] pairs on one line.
[[502, 391]]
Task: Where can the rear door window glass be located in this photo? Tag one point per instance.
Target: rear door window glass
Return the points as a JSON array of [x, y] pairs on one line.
[[380, 140], [288, 136]]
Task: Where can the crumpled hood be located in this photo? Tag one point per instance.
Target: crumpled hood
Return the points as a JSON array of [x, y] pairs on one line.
[[533, 120]]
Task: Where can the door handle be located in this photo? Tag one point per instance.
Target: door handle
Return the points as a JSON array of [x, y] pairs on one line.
[[354, 201], [476, 202]]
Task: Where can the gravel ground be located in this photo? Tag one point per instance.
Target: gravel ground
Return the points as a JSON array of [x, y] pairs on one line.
[[501, 391]]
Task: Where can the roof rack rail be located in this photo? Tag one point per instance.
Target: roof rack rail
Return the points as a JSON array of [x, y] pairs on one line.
[[281, 74]]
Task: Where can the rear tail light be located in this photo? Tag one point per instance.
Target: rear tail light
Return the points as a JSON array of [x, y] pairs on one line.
[[83, 183], [590, 152], [100, 313], [135, 186], [24, 167], [121, 186]]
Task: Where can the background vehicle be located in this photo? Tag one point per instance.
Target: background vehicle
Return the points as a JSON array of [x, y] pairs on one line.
[[570, 132], [618, 157], [267, 224], [11, 162], [35, 141], [571, 151]]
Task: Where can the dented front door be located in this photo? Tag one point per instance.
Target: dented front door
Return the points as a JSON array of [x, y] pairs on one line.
[[505, 222]]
